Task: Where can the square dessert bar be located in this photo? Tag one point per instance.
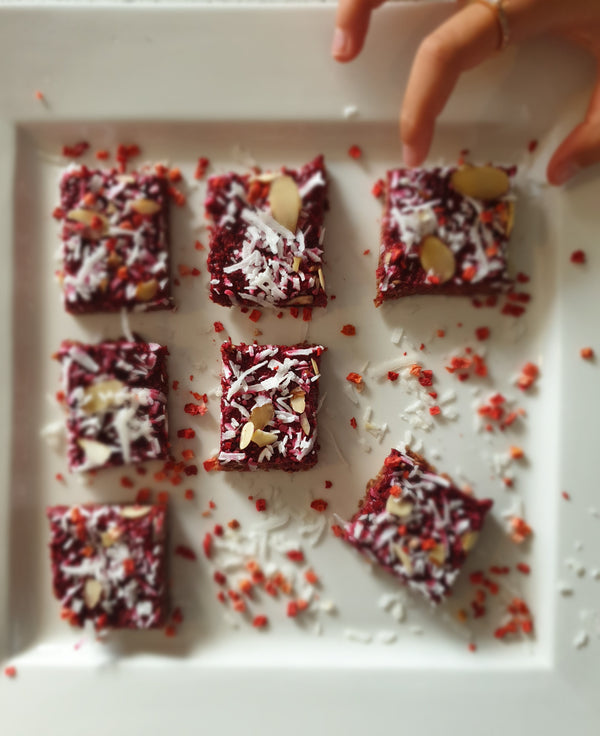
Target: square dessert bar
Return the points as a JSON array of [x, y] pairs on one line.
[[445, 230], [267, 236], [115, 394], [115, 240], [109, 564], [269, 406], [416, 524]]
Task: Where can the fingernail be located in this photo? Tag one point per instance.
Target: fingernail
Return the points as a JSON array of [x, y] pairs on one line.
[[410, 155], [341, 43], [565, 172]]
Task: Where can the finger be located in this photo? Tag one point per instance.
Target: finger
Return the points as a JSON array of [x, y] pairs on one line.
[[462, 42], [351, 25], [581, 148]]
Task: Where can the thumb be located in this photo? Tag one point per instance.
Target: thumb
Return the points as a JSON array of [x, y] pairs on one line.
[[581, 148], [351, 25]]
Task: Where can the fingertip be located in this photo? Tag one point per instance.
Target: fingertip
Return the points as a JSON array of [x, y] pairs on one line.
[[340, 45], [411, 155], [344, 46], [559, 173]]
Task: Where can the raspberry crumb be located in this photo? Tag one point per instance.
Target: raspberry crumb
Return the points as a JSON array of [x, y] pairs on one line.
[[516, 453], [189, 495], [76, 150], [366, 252], [201, 166], [482, 333], [355, 152], [143, 495], [311, 577], [254, 315], [292, 609], [319, 505], [328, 484], [392, 376], [524, 568], [566, 495], [10, 671], [211, 464], [434, 410], [440, 333], [578, 256], [348, 330], [186, 552], [186, 434], [521, 530], [353, 423], [207, 545], [295, 555], [586, 353], [472, 647], [532, 146], [261, 504], [355, 378], [259, 622], [378, 188]]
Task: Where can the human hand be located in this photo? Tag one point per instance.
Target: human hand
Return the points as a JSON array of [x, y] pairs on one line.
[[464, 41]]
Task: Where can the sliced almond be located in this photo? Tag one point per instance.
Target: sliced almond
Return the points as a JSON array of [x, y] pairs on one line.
[[322, 279], [296, 263], [96, 453], [108, 538], [266, 177], [134, 512], [438, 555], [262, 439], [88, 217], [125, 179], [145, 206], [146, 290], [468, 540], [285, 202], [102, 395], [246, 435], [305, 424], [437, 257], [398, 507], [302, 300], [315, 366], [298, 402], [92, 590], [260, 416], [404, 559], [481, 182]]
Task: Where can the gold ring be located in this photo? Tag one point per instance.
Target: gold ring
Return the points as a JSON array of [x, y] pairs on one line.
[[497, 7]]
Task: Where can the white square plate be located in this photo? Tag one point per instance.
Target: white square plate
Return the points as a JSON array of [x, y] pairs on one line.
[[234, 84]]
